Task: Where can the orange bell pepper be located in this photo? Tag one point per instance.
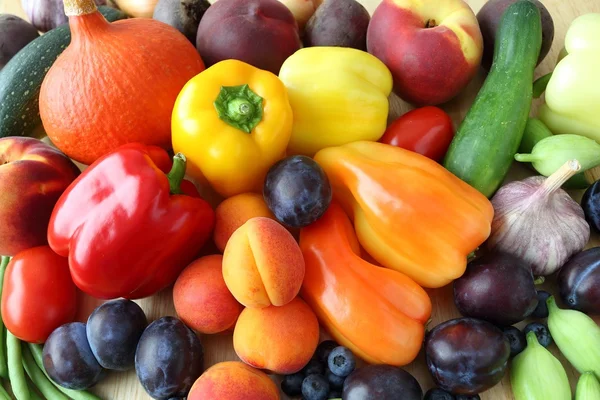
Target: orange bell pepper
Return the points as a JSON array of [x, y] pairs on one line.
[[377, 313], [410, 214]]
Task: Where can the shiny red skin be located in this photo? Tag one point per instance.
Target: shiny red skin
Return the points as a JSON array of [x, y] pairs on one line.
[[262, 33], [33, 175], [38, 294], [125, 235], [426, 130], [433, 76]]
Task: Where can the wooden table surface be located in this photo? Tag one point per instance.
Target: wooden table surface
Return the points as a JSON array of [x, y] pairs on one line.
[[125, 386]]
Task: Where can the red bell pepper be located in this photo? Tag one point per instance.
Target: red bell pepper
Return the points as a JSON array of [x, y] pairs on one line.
[[125, 227]]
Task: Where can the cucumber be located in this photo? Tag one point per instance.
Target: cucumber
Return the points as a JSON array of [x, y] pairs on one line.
[[535, 130], [21, 79], [483, 148]]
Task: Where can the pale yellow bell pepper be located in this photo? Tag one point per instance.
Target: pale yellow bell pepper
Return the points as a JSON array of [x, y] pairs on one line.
[[338, 95], [573, 92]]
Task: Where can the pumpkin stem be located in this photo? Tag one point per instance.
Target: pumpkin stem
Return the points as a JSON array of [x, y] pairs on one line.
[[239, 107], [175, 176], [74, 8]]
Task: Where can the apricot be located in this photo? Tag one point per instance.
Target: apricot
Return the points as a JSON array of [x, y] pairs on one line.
[[233, 380], [278, 339], [201, 298], [234, 212], [263, 264]]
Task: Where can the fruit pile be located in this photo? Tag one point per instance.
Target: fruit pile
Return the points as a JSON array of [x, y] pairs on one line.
[[239, 158]]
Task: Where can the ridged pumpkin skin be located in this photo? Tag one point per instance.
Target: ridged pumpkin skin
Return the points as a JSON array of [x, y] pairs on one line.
[[115, 84]]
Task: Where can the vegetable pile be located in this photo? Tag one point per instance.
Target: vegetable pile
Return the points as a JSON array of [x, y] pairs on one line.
[[239, 158]]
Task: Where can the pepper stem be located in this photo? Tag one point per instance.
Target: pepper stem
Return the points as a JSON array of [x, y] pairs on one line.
[[239, 107], [557, 179], [175, 176], [525, 157], [551, 303], [532, 339], [75, 8]]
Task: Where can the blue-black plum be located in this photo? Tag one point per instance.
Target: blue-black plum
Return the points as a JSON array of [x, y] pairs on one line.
[[68, 358], [113, 332], [169, 358], [381, 382], [438, 394], [579, 281], [297, 191], [466, 355], [498, 288], [590, 202]]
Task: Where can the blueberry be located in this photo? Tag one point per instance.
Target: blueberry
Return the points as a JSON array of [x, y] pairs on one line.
[[335, 382], [292, 384], [541, 331], [438, 394], [468, 397], [314, 366], [541, 311], [68, 359], [341, 361], [297, 191], [516, 338], [315, 387], [113, 331], [334, 394], [323, 350]]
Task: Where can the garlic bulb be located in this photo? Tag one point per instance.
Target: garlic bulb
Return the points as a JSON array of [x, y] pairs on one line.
[[539, 222]]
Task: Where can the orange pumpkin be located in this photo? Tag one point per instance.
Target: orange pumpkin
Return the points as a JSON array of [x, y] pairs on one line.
[[115, 83]]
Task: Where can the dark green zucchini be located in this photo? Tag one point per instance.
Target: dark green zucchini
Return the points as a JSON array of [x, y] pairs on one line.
[[482, 151], [21, 79]]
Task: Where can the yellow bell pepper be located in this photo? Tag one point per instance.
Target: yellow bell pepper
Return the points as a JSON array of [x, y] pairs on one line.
[[233, 122], [573, 92], [338, 95]]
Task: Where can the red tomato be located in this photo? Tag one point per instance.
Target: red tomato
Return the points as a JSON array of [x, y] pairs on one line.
[[426, 130], [38, 294]]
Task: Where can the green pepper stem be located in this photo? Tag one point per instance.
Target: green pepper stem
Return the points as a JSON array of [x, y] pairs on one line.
[[551, 303], [532, 339], [175, 176], [540, 84], [520, 157], [239, 107]]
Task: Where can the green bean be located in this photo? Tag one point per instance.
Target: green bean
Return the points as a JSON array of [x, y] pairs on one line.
[[15, 368], [36, 352], [3, 360], [4, 394], [34, 395], [39, 379]]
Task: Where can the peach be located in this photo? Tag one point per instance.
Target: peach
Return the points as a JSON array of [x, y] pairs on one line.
[[234, 212], [263, 264], [432, 47], [233, 380], [201, 298], [278, 339]]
